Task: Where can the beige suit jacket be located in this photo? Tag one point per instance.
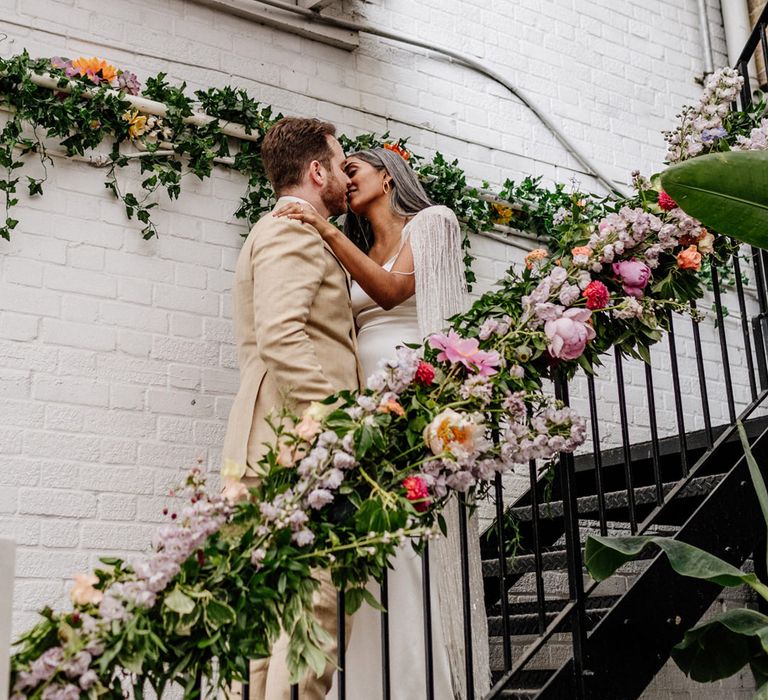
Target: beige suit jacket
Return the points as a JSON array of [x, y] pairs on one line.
[[294, 330]]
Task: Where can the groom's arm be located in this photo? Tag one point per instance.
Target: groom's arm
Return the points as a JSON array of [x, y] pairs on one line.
[[288, 267]]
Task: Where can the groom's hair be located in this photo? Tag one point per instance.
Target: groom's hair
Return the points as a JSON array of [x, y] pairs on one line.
[[291, 145]]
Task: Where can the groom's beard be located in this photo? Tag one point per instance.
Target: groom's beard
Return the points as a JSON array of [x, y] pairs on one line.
[[335, 197]]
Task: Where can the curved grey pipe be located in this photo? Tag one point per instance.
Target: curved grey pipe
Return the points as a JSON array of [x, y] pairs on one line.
[[461, 58]]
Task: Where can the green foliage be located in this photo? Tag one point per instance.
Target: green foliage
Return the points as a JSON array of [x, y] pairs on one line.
[[88, 115], [725, 644]]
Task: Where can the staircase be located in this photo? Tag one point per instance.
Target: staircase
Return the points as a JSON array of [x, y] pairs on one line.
[[559, 646]]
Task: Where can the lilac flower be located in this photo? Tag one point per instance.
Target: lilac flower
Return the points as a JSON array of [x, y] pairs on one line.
[[303, 537], [129, 82], [711, 135], [61, 692], [319, 498], [88, 679]]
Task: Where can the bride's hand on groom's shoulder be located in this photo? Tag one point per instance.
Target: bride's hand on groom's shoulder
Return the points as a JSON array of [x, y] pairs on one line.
[[307, 215]]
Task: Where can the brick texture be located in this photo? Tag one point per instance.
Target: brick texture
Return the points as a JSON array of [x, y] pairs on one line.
[[117, 366]]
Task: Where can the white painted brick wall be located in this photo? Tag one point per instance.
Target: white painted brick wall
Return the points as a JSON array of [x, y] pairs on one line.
[[117, 367]]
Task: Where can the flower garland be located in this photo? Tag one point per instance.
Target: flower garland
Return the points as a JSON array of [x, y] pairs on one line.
[[362, 473], [92, 108]]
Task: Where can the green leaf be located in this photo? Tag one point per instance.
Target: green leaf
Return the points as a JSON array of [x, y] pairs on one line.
[[603, 555], [726, 191], [179, 602], [218, 614], [722, 646]]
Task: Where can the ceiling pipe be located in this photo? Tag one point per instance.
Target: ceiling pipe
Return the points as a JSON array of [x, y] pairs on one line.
[[242, 10]]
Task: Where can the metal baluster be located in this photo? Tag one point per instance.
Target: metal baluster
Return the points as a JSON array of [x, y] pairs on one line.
[[245, 691], [573, 552], [745, 325], [385, 680], [538, 563], [467, 598], [625, 442], [746, 90], [678, 396], [503, 599], [295, 692], [723, 345], [764, 43], [702, 379], [341, 636], [758, 326], [427, 597], [598, 454], [655, 452]]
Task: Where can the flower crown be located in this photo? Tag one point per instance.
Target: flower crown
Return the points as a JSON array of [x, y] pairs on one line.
[[397, 148]]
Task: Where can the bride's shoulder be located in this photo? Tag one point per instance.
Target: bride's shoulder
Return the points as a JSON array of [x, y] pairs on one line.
[[436, 211]]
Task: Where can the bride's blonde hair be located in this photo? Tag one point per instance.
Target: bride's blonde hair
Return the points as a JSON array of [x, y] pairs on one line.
[[406, 199]]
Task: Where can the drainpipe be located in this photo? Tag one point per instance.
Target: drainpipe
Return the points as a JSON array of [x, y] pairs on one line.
[[737, 30], [706, 39]]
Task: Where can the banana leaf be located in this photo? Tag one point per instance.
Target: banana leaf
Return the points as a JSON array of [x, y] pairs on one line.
[[727, 192]]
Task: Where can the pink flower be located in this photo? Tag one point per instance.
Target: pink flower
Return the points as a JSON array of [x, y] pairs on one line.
[[465, 351], [83, 592], [633, 275], [569, 334], [596, 294], [307, 428], [416, 491]]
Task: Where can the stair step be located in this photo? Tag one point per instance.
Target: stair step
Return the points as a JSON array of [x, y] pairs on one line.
[[550, 561], [529, 624], [616, 500], [527, 678], [553, 605]]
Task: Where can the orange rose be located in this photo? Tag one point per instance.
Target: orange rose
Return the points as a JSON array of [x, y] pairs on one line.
[[391, 406], [689, 259], [581, 250], [534, 256]]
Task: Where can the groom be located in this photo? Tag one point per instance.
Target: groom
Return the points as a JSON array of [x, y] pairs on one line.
[[295, 335]]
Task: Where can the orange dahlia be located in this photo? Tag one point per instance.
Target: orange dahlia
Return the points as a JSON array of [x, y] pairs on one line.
[[93, 66]]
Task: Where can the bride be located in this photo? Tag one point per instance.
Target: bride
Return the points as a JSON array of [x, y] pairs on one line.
[[405, 259]]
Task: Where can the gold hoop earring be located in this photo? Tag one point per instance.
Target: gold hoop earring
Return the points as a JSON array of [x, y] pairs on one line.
[[386, 187]]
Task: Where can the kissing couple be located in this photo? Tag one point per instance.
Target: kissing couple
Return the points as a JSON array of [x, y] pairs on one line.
[[315, 311]]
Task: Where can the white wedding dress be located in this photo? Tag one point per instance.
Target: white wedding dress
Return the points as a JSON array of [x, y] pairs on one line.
[[435, 239]]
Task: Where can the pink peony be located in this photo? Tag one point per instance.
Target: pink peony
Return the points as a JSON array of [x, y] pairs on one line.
[[465, 351], [416, 490], [569, 334], [633, 275]]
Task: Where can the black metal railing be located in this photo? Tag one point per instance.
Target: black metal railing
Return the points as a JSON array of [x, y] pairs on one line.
[[630, 488]]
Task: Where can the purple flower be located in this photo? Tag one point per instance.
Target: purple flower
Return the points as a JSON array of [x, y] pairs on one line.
[[712, 135], [633, 275], [129, 82]]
